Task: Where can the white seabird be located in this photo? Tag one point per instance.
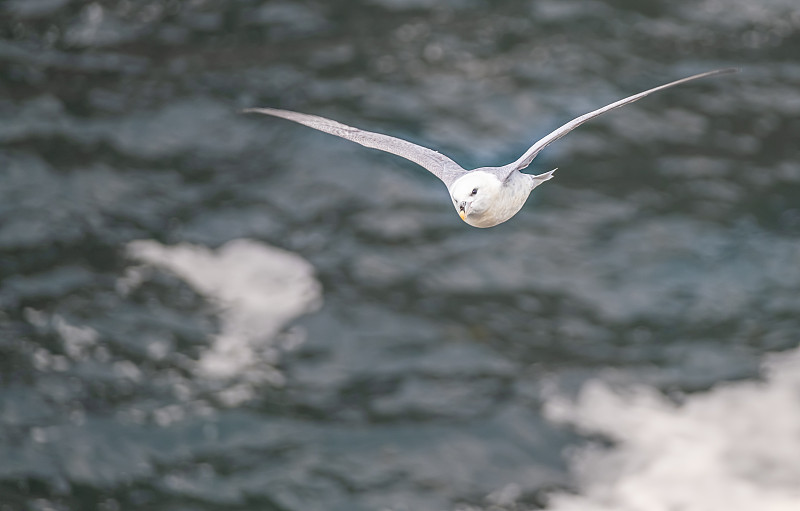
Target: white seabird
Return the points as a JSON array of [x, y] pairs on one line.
[[483, 197]]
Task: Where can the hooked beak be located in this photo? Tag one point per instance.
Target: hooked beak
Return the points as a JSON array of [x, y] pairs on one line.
[[462, 211]]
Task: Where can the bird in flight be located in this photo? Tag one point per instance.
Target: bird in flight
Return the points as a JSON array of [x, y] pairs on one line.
[[483, 197]]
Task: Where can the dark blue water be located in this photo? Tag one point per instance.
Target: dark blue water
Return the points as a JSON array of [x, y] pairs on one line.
[[201, 310]]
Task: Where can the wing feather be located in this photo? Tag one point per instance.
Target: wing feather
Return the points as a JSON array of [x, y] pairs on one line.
[[531, 153], [438, 164]]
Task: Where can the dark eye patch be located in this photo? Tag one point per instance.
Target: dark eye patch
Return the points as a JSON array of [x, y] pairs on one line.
[[474, 191]]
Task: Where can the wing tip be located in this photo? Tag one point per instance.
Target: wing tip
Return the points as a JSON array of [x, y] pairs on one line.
[[726, 70], [256, 110]]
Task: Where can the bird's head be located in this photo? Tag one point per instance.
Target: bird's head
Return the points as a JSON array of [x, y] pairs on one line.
[[474, 196]]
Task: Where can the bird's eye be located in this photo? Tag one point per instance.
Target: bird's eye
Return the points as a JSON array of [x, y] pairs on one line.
[[474, 191]]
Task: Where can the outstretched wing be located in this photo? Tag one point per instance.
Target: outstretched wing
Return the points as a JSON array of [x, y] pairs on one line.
[[438, 164], [531, 153]]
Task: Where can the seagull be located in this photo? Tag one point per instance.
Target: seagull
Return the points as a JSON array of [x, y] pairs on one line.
[[483, 197]]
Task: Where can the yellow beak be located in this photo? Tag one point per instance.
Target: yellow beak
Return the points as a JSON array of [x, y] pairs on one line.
[[462, 214]]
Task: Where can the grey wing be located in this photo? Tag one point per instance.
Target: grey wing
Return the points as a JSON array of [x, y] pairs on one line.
[[438, 164], [531, 153]]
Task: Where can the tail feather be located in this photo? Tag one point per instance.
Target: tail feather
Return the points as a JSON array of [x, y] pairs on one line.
[[541, 178]]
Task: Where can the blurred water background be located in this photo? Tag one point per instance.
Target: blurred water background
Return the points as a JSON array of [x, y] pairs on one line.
[[201, 310]]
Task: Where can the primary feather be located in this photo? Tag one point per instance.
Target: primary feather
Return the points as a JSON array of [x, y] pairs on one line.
[[438, 164]]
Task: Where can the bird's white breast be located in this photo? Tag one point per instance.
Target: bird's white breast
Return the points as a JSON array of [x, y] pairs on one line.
[[513, 195], [499, 200]]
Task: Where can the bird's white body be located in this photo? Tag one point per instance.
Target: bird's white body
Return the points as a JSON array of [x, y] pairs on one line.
[[482, 200]]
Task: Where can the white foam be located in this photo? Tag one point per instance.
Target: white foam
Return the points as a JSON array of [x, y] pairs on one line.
[[259, 290], [735, 447]]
